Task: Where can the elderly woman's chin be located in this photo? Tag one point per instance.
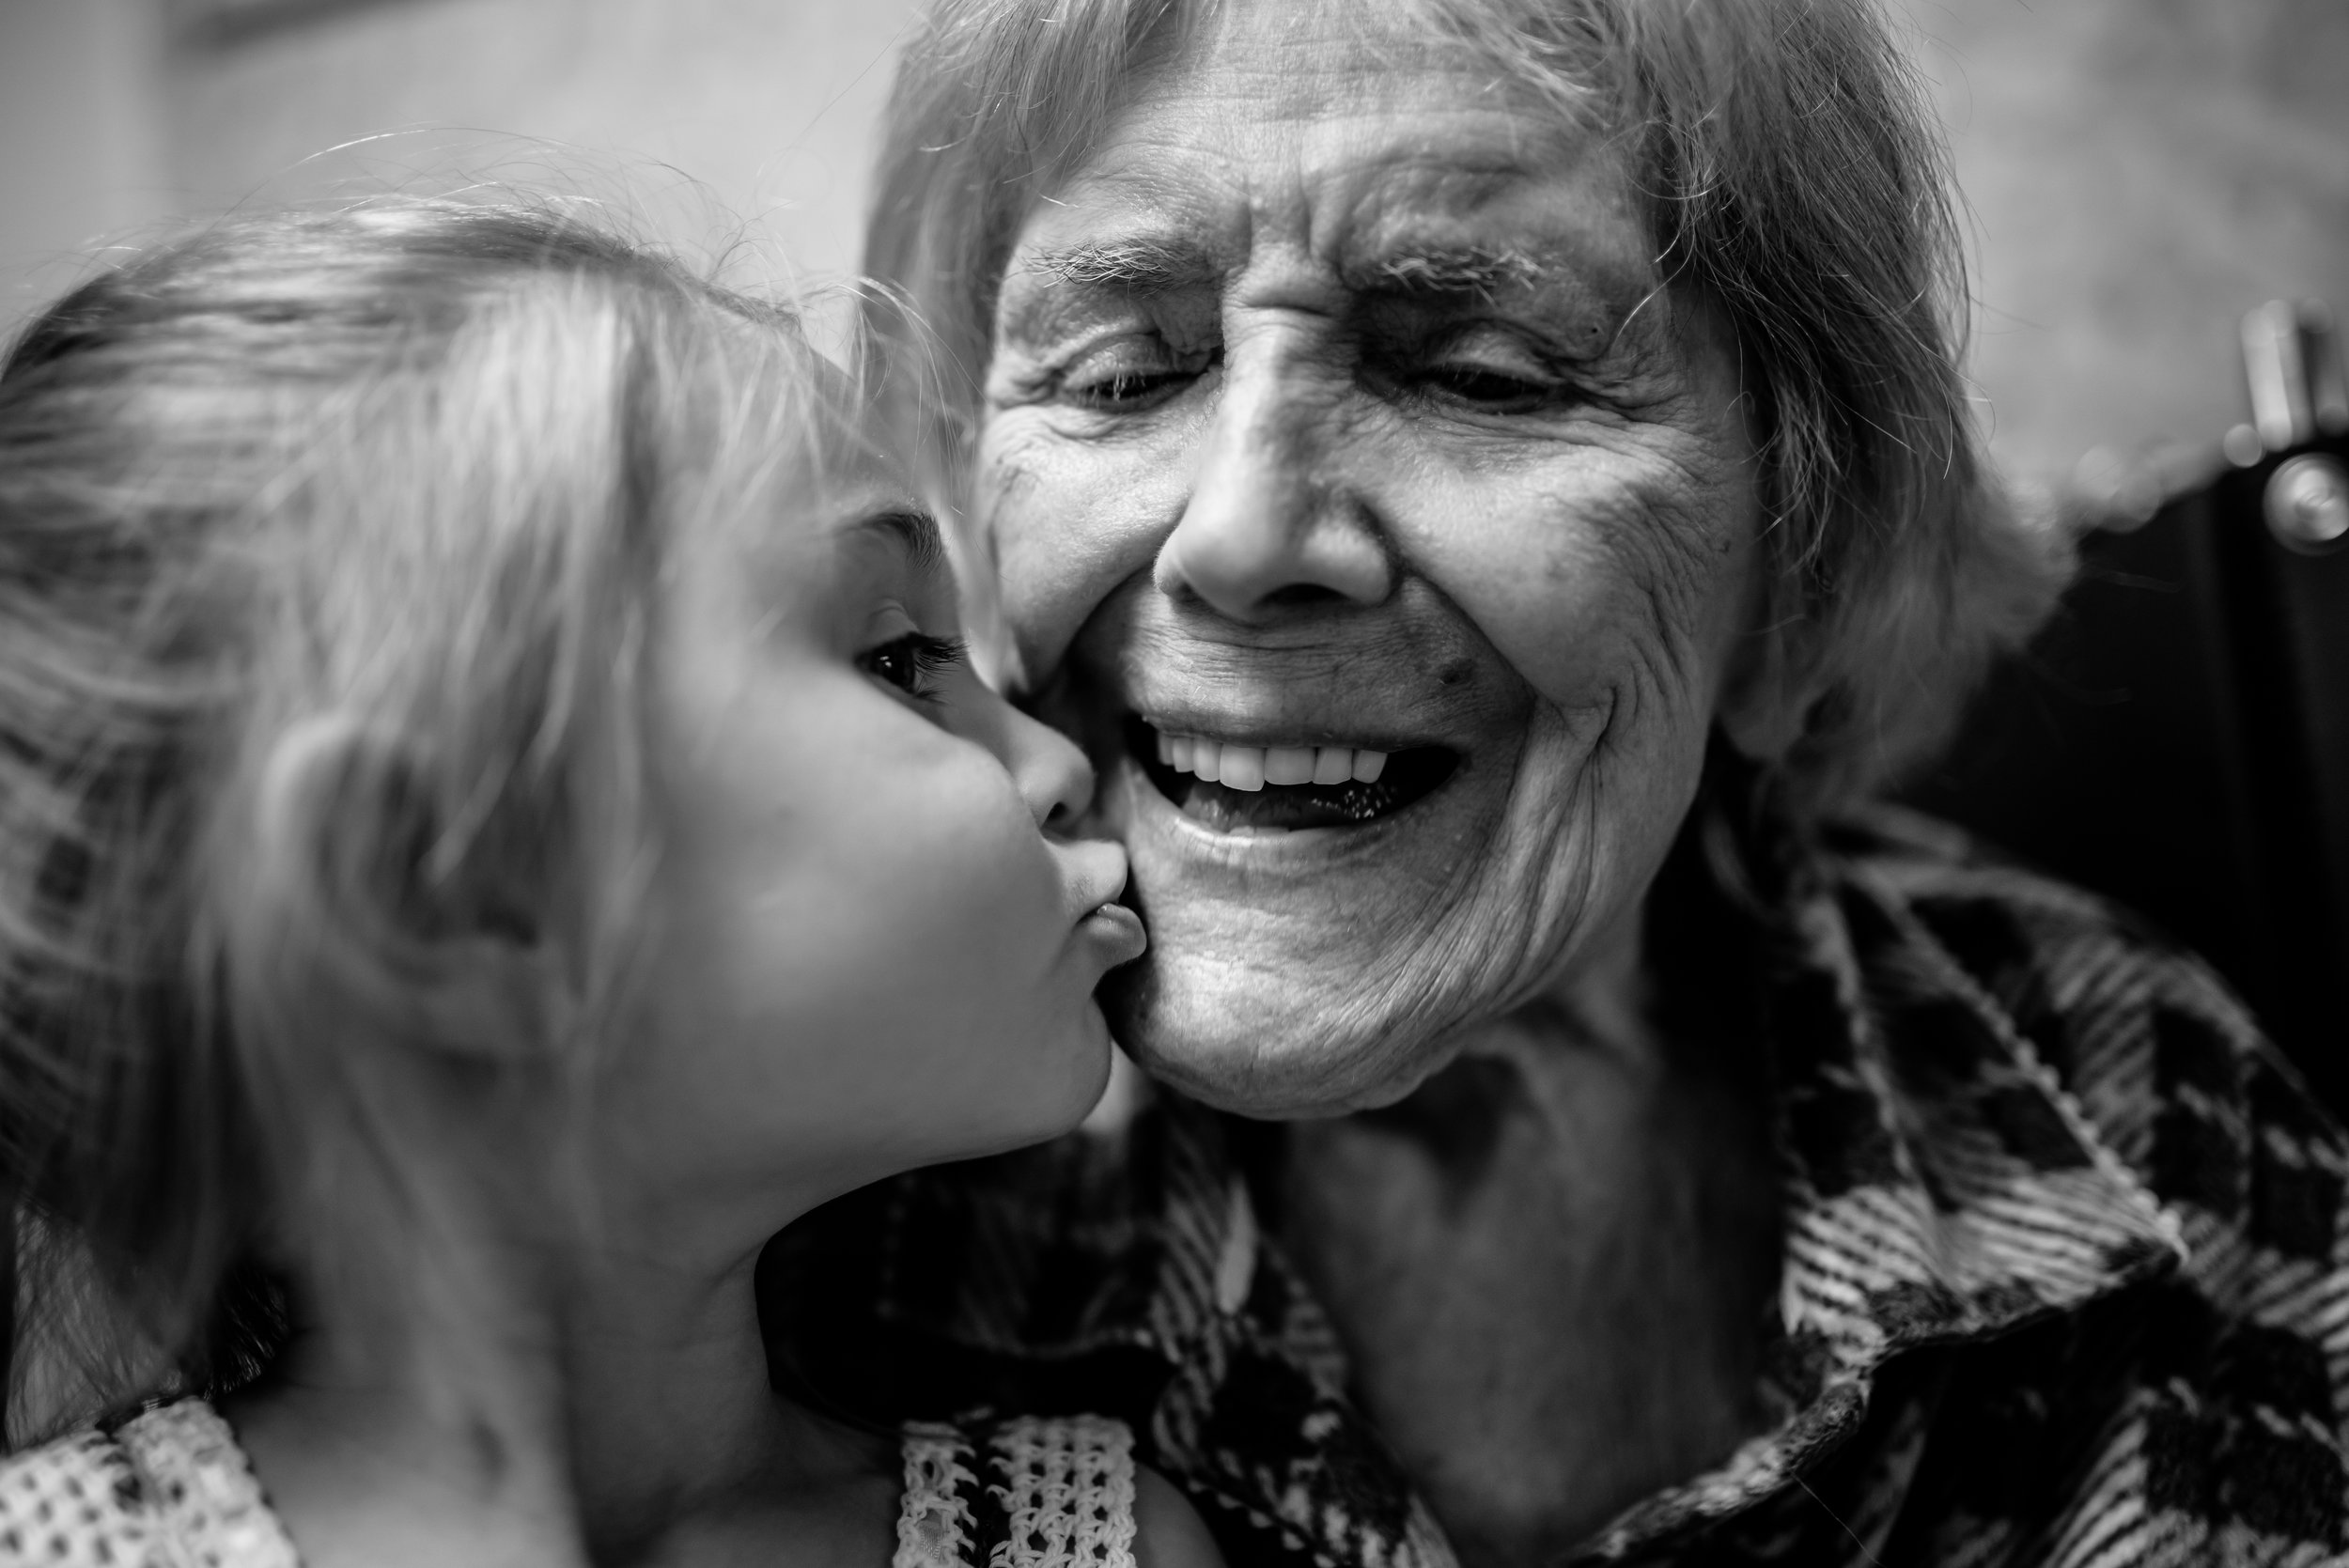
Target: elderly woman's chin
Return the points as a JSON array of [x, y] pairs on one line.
[[1317, 973], [1227, 1022]]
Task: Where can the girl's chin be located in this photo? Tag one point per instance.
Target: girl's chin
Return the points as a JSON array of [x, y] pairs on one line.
[[1054, 1093]]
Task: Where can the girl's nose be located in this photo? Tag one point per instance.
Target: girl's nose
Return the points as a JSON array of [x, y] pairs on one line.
[[1054, 776]]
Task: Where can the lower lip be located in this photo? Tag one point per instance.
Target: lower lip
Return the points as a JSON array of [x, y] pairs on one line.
[[1119, 931]]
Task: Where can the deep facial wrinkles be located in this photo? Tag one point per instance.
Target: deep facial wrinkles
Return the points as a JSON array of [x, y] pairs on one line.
[[1434, 331]]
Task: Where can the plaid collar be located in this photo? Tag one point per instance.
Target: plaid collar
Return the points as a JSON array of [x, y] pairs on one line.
[[1943, 1189]]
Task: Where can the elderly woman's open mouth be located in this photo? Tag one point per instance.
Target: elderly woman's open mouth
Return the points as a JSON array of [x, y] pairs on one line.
[[1243, 788]]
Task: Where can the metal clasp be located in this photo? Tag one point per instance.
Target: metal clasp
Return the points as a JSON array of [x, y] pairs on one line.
[[2292, 364]]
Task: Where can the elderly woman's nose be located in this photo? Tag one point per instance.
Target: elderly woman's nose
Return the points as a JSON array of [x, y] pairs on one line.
[[1271, 519]]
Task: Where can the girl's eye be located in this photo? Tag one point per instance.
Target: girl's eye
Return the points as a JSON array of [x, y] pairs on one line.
[[912, 662], [1129, 374]]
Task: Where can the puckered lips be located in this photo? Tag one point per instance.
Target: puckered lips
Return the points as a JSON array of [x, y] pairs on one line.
[[1245, 788]]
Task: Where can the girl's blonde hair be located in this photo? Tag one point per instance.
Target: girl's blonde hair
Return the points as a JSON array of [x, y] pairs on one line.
[[328, 543]]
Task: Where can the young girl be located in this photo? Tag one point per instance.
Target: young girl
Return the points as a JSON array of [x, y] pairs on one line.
[[495, 821]]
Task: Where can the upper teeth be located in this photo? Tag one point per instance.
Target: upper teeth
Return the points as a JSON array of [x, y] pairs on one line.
[[1254, 767]]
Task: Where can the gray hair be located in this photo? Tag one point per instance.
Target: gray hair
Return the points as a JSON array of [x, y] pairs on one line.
[[1792, 177]]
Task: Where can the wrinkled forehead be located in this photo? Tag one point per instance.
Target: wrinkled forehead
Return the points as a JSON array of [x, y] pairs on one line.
[[1551, 53], [1369, 142]]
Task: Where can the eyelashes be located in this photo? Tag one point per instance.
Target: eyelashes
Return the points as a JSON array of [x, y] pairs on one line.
[[1132, 373], [1480, 371], [914, 663]]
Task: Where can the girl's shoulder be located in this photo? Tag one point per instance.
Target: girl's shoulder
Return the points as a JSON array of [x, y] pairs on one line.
[[1040, 1492], [168, 1485]]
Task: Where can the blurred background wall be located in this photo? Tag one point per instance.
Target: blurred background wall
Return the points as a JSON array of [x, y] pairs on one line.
[[116, 114], [2140, 171]]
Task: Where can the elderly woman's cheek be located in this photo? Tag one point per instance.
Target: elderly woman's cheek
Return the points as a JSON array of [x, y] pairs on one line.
[[1073, 511], [1602, 596], [1695, 571], [1059, 536], [1682, 527]]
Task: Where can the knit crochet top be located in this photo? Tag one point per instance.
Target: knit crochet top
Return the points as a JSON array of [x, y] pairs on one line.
[[170, 1488]]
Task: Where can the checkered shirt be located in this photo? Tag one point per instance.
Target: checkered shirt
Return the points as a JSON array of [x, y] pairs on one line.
[[2066, 1276]]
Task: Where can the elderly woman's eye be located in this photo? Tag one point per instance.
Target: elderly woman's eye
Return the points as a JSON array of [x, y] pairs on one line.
[[1129, 374], [1500, 377], [1482, 384]]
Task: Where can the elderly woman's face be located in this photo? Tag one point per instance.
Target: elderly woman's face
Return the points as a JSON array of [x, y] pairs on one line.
[[1385, 531]]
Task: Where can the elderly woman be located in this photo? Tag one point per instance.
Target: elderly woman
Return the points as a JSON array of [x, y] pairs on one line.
[[1490, 483]]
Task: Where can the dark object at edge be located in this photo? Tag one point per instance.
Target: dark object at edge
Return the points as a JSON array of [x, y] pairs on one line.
[[2178, 739]]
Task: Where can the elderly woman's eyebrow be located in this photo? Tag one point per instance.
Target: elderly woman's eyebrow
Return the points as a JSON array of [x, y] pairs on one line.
[[1475, 270], [1590, 309], [1153, 265], [1143, 265]]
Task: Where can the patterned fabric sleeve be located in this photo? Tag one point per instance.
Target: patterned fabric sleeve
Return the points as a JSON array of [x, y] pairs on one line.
[[2226, 1431]]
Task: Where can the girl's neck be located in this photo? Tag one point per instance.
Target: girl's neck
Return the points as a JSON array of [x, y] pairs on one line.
[[381, 1447], [671, 1422], [558, 1414]]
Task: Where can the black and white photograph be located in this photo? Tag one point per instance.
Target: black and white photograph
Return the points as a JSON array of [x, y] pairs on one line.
[[1174, 784]]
